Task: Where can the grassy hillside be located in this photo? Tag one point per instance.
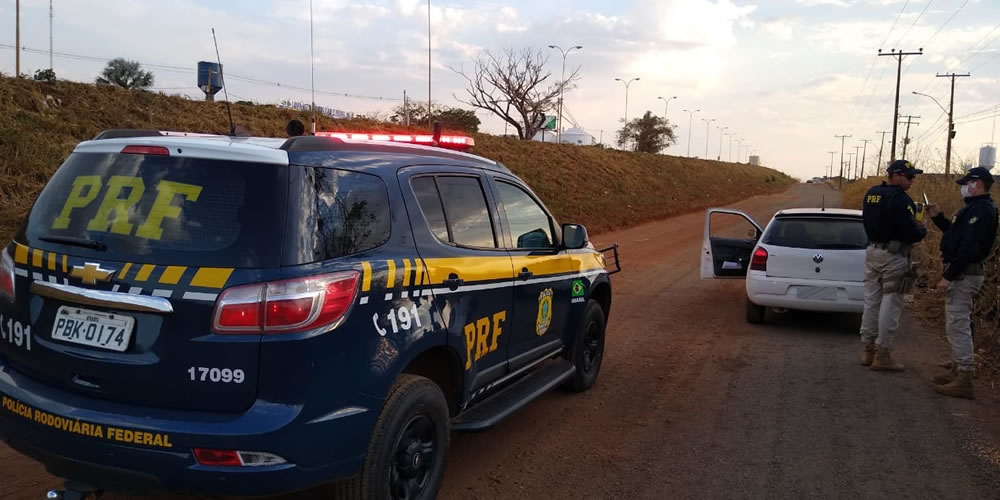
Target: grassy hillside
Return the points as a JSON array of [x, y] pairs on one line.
[[929, 304], [604, 189]]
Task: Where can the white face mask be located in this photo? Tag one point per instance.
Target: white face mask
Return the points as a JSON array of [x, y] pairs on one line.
[[967, 189]]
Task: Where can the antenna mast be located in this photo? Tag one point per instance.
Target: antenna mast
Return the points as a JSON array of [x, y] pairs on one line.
[[312, 67], [222, 76]]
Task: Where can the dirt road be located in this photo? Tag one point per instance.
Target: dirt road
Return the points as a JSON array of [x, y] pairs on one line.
[[695, 403]]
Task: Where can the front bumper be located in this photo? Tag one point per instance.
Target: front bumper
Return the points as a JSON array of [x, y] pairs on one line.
[[141, 451], [842, 296]]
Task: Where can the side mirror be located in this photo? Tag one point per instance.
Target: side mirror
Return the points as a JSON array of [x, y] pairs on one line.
[[574, 236]]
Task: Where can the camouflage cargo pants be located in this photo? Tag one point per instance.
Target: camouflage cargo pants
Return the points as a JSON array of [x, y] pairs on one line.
[[885, 274], [958, 319]]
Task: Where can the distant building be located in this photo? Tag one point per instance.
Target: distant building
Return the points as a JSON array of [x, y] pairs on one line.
[[576, 136], [323, 110], [988, 156], [755, 160]]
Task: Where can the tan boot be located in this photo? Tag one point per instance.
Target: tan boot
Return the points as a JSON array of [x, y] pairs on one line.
[[946, 378], [868, 354], [960, 387], [883, 361]]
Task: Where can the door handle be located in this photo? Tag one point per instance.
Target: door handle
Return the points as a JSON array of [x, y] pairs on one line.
[[525, 273], [453, 282]]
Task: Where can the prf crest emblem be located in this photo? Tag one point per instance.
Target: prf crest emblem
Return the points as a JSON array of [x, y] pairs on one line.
[[544, 312]]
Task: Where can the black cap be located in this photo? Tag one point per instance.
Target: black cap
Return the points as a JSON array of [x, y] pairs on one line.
[[903, 167], [977, 173]]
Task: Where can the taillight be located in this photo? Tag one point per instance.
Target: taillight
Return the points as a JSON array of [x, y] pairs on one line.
[[146, 150], [759, 260], [6, 276], [232, 458], [288, 306]]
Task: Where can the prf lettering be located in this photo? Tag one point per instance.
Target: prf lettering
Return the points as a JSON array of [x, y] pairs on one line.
[[874, 198], [481, 337], [121, 194]]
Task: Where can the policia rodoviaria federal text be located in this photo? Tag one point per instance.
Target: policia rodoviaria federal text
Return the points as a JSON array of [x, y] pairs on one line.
[[967, 240], [892, 228]]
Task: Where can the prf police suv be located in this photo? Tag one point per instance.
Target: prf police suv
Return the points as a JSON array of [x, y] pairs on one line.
[[251, 316]]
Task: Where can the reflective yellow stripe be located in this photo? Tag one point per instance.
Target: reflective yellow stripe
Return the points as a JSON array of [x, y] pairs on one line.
[[144, 272], [419, 279], [124, 271], [211, 277], [36, 258], [52, 261], [21, 254], [366, 279], [406, 273], [65, 264], [172, 274], [390, 281], [469, 269]]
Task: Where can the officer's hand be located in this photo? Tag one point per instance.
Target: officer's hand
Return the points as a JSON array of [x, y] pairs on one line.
[[933, 210], [943, 285]]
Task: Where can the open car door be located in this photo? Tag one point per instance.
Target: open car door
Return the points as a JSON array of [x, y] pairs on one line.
[[730, 237]]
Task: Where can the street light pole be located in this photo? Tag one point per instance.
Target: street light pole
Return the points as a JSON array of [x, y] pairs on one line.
[[708, 132], [731, 147], [562, 91], [666, 106], [722, 132], [430, 112], [690, 124], [627, 85]]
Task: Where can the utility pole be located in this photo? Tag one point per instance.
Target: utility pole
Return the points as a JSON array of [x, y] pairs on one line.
[[830, 174], [50, 34], [906, 140], [850, 160], [899, 55], [731, 146], [880, 148], [690, 124], [430, 112], [722, 132], [562, 90], [857, 155], [17, 39], [864, 156], [708, 133], [951, 119], [843, 138]]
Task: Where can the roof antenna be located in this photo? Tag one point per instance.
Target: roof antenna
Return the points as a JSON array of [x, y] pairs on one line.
[[312, 68], [437, 133], [823, 208], [222, 75]]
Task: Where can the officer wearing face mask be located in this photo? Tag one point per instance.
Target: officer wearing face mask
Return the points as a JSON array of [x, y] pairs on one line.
[[890, 222], [967, 240]]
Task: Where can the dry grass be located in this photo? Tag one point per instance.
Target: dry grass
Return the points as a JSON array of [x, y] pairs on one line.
[[604, 189], [942, 190]]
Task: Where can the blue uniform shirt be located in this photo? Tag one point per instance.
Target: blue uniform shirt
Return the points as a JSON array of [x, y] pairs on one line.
[[968, 236], [889, 215]]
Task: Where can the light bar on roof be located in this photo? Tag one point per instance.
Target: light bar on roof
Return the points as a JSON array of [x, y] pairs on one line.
[[446, 141]]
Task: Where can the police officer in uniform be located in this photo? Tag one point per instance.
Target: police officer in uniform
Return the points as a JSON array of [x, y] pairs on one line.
[[967, 241], [889, 218]]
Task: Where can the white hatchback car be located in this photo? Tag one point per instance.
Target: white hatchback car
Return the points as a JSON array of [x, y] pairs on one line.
[[809, 259]]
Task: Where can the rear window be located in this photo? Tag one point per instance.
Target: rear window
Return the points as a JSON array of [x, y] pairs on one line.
[[334, 213], [818, 233], [163, 209]]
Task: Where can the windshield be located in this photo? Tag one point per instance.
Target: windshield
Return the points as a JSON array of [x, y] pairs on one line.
[[817, 233], [162, 209]]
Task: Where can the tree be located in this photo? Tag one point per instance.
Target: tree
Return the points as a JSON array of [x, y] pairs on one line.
[[511, 85], [125, 74], [45, 75], [450, 118], [649, 134]]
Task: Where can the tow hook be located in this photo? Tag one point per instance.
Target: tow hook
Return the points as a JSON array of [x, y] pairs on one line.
[[75, 492]]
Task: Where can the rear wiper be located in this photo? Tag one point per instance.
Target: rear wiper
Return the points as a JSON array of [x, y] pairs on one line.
[[80, 242]]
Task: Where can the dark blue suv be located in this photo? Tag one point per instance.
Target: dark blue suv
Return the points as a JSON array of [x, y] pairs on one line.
[[252, 316]]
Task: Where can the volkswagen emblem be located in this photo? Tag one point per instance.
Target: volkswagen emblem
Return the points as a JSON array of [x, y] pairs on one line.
[[818, 258]]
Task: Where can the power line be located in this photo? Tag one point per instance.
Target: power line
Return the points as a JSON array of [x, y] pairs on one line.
[[914, 23], [871, 67]]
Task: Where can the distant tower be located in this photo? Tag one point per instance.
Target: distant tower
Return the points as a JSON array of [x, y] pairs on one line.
[[209, 79], [50, 34]]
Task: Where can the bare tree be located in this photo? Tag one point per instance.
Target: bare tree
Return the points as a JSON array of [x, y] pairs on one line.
[[511, 85]]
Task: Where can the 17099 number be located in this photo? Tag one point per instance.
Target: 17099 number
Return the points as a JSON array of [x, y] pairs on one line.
[[217, 375]]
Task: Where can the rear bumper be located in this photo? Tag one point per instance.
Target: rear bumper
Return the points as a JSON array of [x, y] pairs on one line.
[[121, 450], [849, 296]]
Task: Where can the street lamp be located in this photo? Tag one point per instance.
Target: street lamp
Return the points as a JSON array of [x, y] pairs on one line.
[[690, 120], [739, 149], [722, 132], [731, 147], [627, 84], [708, 132], [666, 106], [563, 82]]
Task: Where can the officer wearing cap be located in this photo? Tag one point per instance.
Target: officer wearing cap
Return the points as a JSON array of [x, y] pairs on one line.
[[892, 228], [967, 240]]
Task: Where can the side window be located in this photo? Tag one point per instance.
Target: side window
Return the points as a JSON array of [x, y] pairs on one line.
[[456, 210], [530, 226]]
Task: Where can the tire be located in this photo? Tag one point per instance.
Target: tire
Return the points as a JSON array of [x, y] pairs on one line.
[[587, 351], [755, 313], [414, 422]]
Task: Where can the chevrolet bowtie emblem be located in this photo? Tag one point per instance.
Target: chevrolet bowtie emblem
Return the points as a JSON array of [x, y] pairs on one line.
[[91, 273]]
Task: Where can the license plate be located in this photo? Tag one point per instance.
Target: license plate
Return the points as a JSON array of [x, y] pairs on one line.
[[817, 292], [93, 328]]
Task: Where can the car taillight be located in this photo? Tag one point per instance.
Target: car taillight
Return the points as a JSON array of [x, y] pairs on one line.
[[759, 260], [232, 458], [288, 306], [6, 276]]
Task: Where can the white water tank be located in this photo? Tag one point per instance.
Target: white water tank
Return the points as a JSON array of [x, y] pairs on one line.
[[988, 156], [577, 136]]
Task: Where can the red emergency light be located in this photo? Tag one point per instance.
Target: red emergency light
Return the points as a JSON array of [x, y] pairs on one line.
[[459, 142]]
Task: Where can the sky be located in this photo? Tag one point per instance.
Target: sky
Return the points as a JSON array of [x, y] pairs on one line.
[[782, 76]]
